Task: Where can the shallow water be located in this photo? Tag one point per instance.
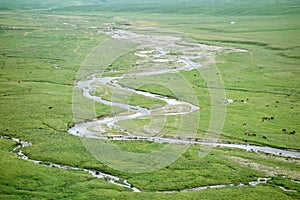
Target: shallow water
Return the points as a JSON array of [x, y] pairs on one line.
[[159, 44]]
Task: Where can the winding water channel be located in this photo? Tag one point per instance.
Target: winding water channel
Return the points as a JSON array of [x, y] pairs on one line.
[[82, 129], [120, 181], [160, 45]]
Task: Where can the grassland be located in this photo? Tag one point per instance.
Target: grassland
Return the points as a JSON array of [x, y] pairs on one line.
[[42, 49]]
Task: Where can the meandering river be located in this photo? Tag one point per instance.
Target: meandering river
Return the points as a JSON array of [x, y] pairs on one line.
[[120, 181], [159, 44], [162, 45]]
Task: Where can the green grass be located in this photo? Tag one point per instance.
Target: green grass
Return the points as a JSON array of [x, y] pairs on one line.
[[219, 166], [188, 171], [40, 58], [265, 75], [121, 65], [21, 179], [288, 184], [114, 95]]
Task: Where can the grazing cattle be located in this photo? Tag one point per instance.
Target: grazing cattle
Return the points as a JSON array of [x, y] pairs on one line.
[[292, 132], [283, 130], [267, 118], [250, 134], [264, 137], [50, 107]]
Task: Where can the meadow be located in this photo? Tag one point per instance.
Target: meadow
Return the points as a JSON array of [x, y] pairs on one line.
[[42, 50]]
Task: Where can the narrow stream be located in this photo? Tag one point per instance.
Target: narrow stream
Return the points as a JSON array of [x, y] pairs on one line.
[[110, 178], [123, 182], [252, 183], [161, 45], [81, 129]]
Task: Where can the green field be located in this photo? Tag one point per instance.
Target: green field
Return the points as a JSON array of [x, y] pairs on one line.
[[46, 46]]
